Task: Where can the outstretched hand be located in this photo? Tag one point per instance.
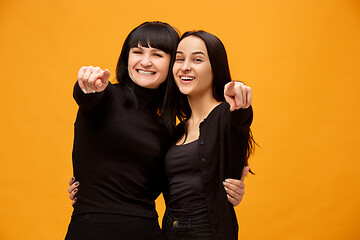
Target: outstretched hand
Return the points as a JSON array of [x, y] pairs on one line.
[[93, 79], [237, 95], [235, 189]]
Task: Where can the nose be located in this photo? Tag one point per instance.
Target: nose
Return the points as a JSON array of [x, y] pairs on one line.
[[146, 61], [185, 67]]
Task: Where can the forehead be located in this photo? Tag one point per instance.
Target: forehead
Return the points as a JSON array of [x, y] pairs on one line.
[[148, 47], [192, 44]]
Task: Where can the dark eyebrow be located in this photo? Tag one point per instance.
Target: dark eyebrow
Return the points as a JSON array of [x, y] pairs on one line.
[[199, 52], [194, 53]]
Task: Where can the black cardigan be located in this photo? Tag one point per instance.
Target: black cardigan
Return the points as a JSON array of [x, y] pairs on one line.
[[222, 151]]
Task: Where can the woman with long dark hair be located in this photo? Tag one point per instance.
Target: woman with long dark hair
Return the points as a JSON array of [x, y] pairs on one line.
[[212, 141]]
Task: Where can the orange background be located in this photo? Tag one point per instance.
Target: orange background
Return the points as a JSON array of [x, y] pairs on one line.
[[302, 59]]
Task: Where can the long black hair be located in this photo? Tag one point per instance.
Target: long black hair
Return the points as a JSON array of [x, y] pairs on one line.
[[176, 104], [155, 34]]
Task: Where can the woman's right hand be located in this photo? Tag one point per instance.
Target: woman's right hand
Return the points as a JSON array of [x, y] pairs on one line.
[[237, 95], [72, 190], [93, 79]]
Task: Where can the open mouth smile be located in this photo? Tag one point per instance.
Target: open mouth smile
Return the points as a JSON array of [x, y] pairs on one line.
[[145, 72], [187, 79]]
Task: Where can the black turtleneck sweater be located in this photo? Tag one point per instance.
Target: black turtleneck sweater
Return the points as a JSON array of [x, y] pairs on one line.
[[118, 152]]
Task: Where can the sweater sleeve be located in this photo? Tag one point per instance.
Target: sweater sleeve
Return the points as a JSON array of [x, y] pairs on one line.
[[87, 102]]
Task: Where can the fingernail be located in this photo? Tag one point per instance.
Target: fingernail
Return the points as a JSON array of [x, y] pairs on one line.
[[225, 189], [93, 91], [100, 84], [77, 183], [227, 180], [72, 179], [84, 91], [75, 190], [224, 183], [227, 196], [75, 199]]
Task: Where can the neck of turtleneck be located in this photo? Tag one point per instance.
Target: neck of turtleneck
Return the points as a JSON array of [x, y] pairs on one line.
[[146, 97]]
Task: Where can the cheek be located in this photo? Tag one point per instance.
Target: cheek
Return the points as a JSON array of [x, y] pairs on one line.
[[209, 74], [164, 70], [175, 68], [131, 62], [131, 65], [164, 67]]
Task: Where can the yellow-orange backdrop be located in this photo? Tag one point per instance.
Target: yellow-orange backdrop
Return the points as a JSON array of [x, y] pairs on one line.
[[302, 59]]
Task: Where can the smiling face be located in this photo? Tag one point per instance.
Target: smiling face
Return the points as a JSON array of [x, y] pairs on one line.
[[148, 67], [192, 69]]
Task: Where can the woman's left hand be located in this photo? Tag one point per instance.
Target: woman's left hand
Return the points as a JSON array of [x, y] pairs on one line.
[[235, 189], [237, 95]]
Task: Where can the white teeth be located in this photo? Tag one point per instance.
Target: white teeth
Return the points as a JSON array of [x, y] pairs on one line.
[[187, 78], [146, 72]]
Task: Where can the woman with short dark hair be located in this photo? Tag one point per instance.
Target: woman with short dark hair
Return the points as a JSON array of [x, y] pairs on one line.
[[120, 139]]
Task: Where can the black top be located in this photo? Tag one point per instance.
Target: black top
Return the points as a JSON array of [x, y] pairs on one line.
[[118, 152], [222, 151], [186, 198]]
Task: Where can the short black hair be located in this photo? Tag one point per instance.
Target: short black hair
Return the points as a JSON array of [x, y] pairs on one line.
[[155, 34]]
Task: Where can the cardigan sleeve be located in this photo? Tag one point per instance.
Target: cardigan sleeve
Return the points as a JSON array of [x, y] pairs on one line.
[[240, 120], [88, 102]]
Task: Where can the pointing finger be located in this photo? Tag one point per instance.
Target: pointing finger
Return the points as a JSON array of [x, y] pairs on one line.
[[239, 98], [229, 93]]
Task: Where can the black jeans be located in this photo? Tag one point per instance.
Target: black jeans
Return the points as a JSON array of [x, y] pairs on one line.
[[181, 229], [98, 226]]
